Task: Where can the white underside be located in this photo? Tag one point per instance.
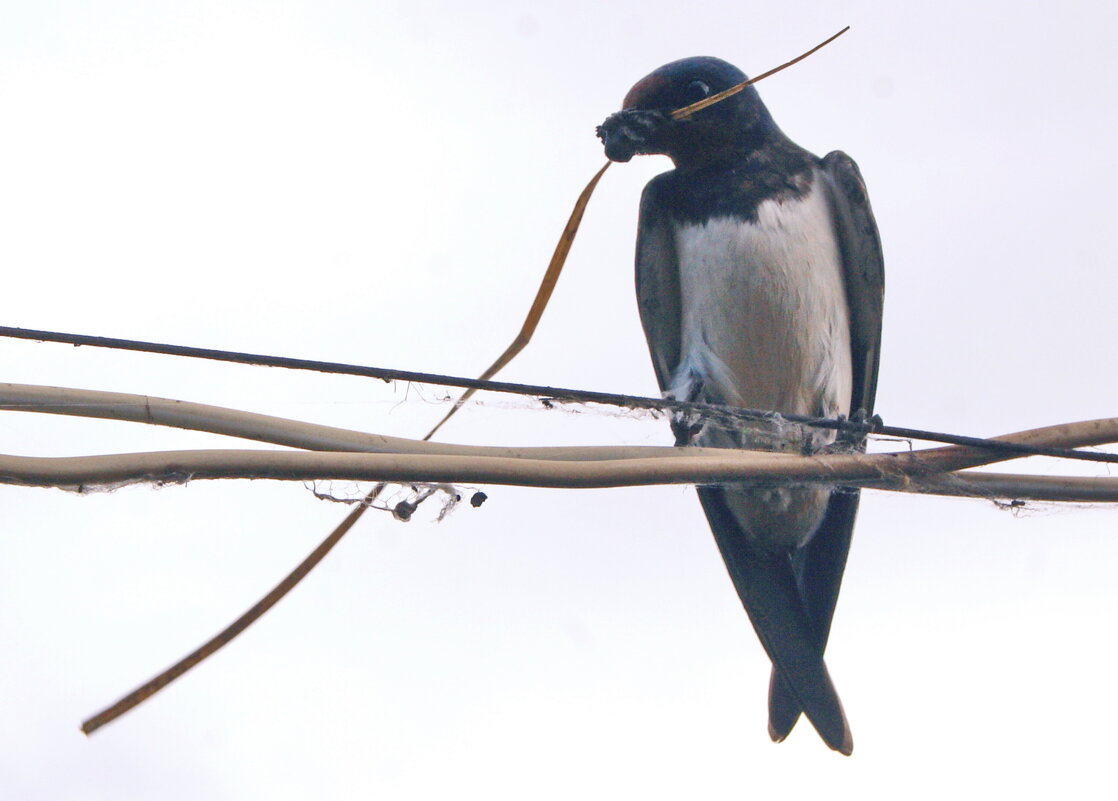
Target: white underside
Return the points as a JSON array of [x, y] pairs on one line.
[[766, 326]]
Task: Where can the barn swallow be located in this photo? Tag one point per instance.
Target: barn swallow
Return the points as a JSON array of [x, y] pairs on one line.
[[759, 283]]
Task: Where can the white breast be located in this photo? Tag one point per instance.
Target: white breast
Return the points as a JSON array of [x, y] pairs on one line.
[[765, 320], [765, 325]]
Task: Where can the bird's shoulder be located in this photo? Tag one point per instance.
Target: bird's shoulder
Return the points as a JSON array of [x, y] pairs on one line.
[[847, 179]]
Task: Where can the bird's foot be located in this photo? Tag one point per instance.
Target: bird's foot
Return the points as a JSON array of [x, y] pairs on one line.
[[686, 425], [855, 429]]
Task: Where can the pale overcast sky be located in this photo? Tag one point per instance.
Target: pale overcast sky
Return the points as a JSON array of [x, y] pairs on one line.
[[383, 184]]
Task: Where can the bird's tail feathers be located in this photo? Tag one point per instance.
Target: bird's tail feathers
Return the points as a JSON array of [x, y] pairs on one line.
[[766, 584], [818, 567]]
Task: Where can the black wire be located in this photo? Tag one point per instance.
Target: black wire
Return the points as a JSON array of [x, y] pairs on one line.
[[554, 393]]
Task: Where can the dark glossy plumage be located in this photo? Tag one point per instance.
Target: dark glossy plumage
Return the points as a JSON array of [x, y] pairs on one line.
[[731, 162]]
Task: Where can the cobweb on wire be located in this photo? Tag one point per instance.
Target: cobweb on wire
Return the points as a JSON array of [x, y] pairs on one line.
[[402, 501], [515, 419]]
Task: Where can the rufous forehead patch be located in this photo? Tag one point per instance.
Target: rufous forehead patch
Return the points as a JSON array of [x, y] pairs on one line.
[[645, 88]]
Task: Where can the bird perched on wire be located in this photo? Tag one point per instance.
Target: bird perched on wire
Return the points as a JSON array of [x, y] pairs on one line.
[[760, 283]]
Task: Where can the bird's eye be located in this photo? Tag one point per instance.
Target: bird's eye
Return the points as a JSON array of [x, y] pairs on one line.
[[696, 91]]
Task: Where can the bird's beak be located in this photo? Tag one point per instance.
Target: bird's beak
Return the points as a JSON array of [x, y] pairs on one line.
[[631, 132]]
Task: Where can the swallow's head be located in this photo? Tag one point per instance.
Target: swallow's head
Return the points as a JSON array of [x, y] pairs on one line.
[[645, 125]]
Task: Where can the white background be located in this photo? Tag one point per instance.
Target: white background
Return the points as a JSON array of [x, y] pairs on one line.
[[383, 184]]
